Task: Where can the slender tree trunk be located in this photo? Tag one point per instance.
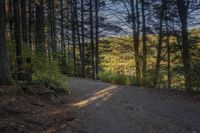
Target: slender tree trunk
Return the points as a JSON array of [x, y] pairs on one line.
[[40, 47], [73, 36], [83, 37], [5, 72], [49, 5], [53, 27], [144, 39], [159, 48], [137, 41], [11, 21], [168, 57], [183, 6], [78, 35], [97, 37], [68, 27], [18, 39], [135, 28], [30, 20], [24, 22], [62, 37], [186, 56], [92, 38]]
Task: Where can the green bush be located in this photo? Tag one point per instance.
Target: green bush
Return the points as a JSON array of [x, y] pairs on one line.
[[48, 74], [115, 78]]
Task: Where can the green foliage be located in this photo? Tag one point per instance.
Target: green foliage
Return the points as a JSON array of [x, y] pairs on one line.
[[48, 73], [115, 78], [46, 70], [118, 65]]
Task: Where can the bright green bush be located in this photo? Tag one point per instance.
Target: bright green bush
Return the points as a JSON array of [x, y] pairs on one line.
[[115, 78], [48, 73]]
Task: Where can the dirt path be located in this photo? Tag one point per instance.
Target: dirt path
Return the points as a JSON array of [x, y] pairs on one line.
[[107, 108]]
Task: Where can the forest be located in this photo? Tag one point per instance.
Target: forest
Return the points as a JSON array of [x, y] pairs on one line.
[[137, 43]]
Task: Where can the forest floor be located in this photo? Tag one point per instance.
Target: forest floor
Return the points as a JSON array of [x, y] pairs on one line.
[[34, 109], [98, 107]]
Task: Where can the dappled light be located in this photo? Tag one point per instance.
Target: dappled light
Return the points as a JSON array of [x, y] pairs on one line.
[[98, 97], [99, 66]]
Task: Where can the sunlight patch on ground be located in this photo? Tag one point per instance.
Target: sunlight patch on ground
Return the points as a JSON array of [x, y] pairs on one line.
[[98, 97]]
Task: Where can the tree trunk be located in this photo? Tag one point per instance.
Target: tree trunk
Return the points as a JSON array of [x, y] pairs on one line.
[[186, 57], [183, 12], [62, 37], [92, 38], [83, 38], [73, 37], [144, 39], [18, 39], [159, 48], [24, 22], [40, 46], [53, 27], [168, 56], [97, 37], [135, 28], [78, 35], [5, 72], [30, 24]]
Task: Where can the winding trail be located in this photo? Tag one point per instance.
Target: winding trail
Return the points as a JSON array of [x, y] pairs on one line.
[[107, 108]]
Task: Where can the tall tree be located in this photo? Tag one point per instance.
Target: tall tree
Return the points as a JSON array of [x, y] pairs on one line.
[[40, 46], [135, 28], [5, 72], [144, 39], [78, 35], [63, 48], [73, 36], [97, 37], [53, 26], [168, 55], [160, 43], [24, 22], [30, 21], [18, 39], [183, 7], [92, 37], [83, 37]]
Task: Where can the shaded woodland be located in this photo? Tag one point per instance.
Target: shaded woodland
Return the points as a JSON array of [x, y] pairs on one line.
[[49, 39], [99, 66]]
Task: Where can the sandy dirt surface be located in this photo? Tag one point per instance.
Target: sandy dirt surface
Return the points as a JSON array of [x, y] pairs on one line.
[[107, 108], [97, 107]]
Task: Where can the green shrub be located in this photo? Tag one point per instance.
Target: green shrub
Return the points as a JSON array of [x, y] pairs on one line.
[[115, 78], [120, 79], [48, 74]]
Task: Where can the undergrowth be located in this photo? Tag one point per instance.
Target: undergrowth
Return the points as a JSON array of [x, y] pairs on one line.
[[48, 74]]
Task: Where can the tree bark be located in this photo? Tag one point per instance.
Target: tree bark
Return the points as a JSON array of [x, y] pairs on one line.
[[5, 72], [78, 35], [40, 47], [92, 37], [168, 56], [159, 47], [135, 28], [53, 27], [30, 20], [73, 36], [18, 39], [24, 22], [183, 12], [144, 39], [62, 37], [83, 37], [97, 37]]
